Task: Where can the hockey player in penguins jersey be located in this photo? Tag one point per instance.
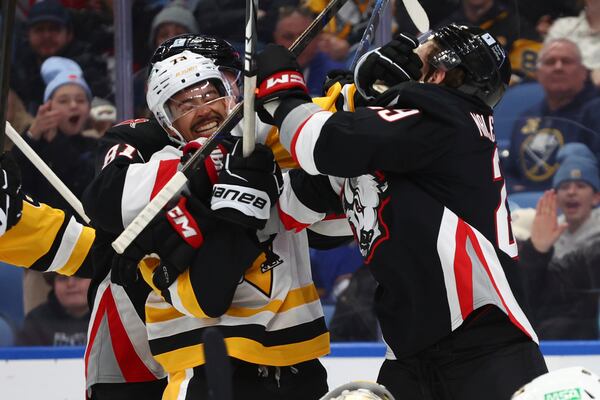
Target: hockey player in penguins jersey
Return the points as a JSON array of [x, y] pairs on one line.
[[275, 320], [37, 236], [426, 198], [118, 360]]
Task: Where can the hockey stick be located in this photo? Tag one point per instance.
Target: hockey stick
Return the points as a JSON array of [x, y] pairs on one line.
[[217, 367], [249, 79], [8, 21], [45, 170], [369, 34], [177, 182], [415, 11], [417, 14]]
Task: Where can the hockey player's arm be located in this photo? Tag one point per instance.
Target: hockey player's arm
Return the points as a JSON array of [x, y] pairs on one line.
[[313, 202], [345, 144], [350, 144], [49, 240], [205, 290]]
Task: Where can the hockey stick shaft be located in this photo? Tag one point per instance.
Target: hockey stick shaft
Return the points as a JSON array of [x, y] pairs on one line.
[[218, 367], [417, 14], [8, 21], [178, 181], [45, 170], [369, 34], [415, 11], [249, 125]]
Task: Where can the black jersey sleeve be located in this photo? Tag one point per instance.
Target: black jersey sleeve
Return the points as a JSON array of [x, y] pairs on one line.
[[400, 137]]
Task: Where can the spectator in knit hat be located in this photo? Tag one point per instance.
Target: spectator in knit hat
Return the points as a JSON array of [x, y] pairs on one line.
[[173, 20], [576, 193], [50, 33], [55, 133]]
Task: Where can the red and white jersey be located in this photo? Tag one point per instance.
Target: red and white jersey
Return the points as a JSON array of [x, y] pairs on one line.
[[117, 348], [425, 196]]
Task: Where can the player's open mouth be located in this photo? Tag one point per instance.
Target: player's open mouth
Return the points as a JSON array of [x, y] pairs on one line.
[[74, 119], [206, 128]]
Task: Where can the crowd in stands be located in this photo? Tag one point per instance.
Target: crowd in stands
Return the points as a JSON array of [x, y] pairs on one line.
[[62, 94]]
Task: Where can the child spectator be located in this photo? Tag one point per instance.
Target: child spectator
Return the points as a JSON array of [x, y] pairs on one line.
[[55, 133]]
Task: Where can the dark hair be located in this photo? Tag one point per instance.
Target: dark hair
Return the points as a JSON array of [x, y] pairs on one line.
[[453, 78]]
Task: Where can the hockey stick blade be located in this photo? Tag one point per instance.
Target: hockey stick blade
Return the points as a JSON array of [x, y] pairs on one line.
[[369, 34], [417, 14], [178, 181], [217, 366]]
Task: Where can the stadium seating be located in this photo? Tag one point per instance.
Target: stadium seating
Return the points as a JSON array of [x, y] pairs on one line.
[[516, 100], [11, 292]]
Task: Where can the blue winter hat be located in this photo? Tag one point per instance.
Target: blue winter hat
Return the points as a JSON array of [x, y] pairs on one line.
[[578, 163], [58, 71]]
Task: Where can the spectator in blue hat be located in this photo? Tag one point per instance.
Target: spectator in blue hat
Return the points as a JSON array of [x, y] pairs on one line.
[[575, 192], [49, 32], [55, 133]]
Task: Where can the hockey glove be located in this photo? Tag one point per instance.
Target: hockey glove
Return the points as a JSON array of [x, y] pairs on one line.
[[394, 63], [203, 177], [247, 187], [280, 85], [11, 199], [174, 235]]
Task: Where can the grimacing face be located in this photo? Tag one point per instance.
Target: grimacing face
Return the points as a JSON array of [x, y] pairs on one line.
[[199, 110]]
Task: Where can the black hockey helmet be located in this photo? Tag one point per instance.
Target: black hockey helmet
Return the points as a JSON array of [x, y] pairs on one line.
[[479, 54], [219, 50]]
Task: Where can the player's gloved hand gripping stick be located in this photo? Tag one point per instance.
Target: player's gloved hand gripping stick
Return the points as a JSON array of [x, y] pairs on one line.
[[178, 181]]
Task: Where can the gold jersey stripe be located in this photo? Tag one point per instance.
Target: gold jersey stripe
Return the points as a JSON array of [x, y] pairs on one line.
[[156, 314], [295, 298], [79, 253], [33, 236], [174, 389], [187, 295], [250, 351]]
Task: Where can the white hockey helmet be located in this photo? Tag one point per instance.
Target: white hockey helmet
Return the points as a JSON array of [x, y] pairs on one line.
[[573, 383], [359, 390], [176, 73]]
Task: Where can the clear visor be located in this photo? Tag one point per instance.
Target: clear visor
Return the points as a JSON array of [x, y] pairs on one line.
[[209, 95], [445, 60]]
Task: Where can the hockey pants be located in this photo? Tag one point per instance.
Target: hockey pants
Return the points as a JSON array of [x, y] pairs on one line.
[[486, 358]]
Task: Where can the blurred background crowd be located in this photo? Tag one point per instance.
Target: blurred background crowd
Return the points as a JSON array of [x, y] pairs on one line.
[[546, 127]]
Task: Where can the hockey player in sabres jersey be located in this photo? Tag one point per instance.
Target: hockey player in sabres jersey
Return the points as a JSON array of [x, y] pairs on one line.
[[426, 198]]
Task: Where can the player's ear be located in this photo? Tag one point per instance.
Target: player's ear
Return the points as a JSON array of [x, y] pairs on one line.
[[436, 77]]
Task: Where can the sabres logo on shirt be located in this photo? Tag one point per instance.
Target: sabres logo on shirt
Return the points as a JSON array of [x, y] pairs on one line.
[[364, 199]]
